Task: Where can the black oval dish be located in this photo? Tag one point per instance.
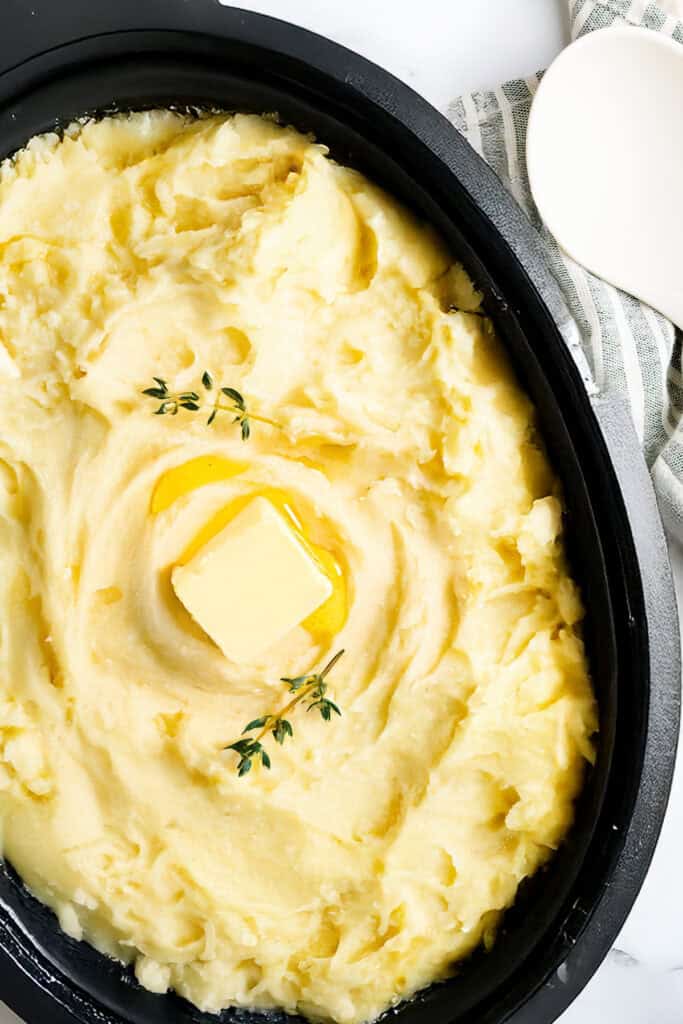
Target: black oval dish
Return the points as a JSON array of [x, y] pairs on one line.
[[61, 60]]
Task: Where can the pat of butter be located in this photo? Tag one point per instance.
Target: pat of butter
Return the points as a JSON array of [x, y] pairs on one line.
[[252, 583]]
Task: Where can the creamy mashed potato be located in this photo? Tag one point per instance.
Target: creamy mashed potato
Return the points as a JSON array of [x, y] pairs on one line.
[[382, 846]]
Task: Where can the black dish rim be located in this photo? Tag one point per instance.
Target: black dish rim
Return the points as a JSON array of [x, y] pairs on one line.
[[158, 50]]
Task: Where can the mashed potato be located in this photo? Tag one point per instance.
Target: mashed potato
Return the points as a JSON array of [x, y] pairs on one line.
[[382, 846]]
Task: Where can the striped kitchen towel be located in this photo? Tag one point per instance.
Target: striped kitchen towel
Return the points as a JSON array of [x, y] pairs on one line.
[[616, 339]]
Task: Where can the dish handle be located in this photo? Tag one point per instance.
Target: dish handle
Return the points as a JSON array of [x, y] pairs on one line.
[[30, 27], [644, 519]]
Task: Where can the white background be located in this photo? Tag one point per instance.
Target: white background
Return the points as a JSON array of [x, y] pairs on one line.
[[443, 48]]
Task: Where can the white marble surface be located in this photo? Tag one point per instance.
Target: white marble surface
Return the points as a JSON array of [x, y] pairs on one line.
[[442, 48]]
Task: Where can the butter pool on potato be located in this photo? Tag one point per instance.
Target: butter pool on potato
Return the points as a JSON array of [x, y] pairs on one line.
[[384, 846], [280, 583]]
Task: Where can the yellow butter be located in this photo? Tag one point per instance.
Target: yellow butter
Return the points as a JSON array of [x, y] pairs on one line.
[[280, 584]]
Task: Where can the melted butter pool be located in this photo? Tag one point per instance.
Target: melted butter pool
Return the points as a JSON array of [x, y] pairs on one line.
[[189, 476]]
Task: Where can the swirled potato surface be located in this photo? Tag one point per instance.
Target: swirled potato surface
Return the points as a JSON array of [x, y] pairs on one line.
[[384, 845]]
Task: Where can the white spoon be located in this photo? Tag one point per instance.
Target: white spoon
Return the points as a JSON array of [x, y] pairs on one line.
[[605, 160]]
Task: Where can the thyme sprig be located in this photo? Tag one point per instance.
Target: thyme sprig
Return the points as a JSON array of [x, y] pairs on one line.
[[173, 401], [311, 688]]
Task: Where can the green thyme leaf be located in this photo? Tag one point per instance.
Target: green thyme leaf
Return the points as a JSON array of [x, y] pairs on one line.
[[240, 746], [282, 730], [257, 723], [234, 396], [296, 683]]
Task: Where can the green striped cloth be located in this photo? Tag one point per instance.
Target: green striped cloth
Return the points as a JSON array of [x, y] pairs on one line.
[[617, 341]]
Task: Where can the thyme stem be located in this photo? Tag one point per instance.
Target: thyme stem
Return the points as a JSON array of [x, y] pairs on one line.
[[303, 687], [173, 401]]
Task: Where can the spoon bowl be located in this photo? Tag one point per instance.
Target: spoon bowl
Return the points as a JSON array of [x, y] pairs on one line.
[[605, 160]]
